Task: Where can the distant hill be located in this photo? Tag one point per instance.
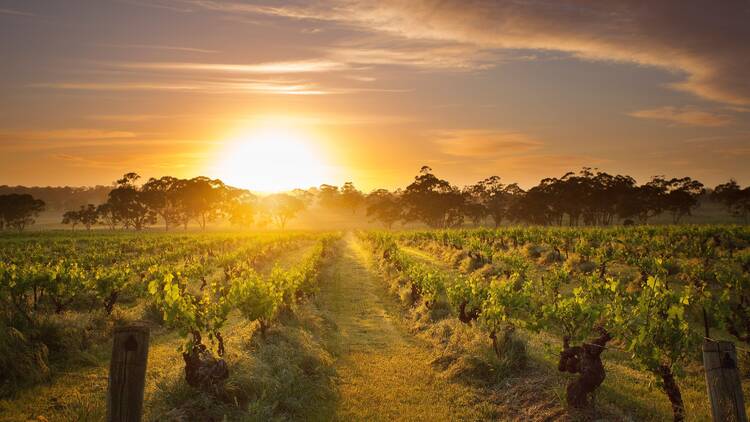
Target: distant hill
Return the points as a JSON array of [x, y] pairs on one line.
[[62, 198]]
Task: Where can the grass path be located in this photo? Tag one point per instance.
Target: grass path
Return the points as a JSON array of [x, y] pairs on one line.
[[383, 370]]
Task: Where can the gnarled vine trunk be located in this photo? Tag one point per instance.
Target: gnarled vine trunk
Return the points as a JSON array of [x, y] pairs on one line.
[[586, 361], [467, 317], [202, 370], [673, 392], [109, 302]]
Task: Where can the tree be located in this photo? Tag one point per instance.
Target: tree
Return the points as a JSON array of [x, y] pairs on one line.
[[682, 197], [306, 195], [86, 215], [71, 217], [107, 215], [18, 211], [283, 207], [433, 201], [494, 197], [384, 206], [645, 201], [127, 203], [534, 207], [241, 207], [735, 199], [329, 196], [202, 199], [351, 198], [162, 197]]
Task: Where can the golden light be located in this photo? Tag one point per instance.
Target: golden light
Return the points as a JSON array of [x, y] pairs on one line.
[[271, 159]]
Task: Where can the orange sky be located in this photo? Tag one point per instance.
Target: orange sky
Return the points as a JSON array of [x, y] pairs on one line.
[[371, 91]]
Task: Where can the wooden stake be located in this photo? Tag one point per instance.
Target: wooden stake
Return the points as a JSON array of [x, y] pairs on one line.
[[723, 381], [127, 374]]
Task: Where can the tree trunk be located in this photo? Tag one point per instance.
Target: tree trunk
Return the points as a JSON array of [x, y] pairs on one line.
[[673, 392]]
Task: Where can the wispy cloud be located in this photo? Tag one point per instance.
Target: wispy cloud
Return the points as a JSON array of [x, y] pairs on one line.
[[305, 66], [65, 134], [707, 41], [161, 48], [687, 116], [237, 86], [157, 162], [429, 58], [129, 117], [14, 12], [228, 87], [484, 144]]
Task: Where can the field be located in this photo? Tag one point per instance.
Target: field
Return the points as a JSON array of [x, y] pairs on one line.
[[370, 325]]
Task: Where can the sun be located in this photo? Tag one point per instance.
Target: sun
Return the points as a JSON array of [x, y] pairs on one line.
[[272, 159]]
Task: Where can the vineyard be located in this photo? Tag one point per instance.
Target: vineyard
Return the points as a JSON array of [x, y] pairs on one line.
[[650, 296], [600, 322], [61, 297]]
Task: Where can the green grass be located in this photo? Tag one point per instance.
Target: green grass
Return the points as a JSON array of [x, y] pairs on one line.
[[384, 370]]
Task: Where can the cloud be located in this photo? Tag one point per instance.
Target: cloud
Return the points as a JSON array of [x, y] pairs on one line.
[[219, 87], [66, 134], [484, 144], [687, 116], [161, 47], [226, 87], [738, 152], [704, 42], [130, 117], [305, 66], [14, 12], [160, 161], [455, 57]]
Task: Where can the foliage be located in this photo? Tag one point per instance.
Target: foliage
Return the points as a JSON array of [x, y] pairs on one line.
[[17, 211]]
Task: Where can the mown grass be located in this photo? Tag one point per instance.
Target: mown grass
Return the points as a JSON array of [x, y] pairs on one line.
[[384, 370]]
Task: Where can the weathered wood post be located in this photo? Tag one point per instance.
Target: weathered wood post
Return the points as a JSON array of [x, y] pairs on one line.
[[127, 374], [723, 381]]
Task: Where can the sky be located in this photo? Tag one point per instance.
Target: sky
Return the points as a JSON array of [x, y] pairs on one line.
[[270, 95]]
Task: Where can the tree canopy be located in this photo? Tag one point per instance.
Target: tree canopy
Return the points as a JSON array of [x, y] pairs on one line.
[[18, 211]]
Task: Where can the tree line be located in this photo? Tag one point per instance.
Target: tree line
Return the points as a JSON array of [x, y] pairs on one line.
[[587, 197], [176, 202], [61, 198]]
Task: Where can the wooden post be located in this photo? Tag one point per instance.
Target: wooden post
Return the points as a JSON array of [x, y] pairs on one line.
[[723, 381], [127, 374]]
